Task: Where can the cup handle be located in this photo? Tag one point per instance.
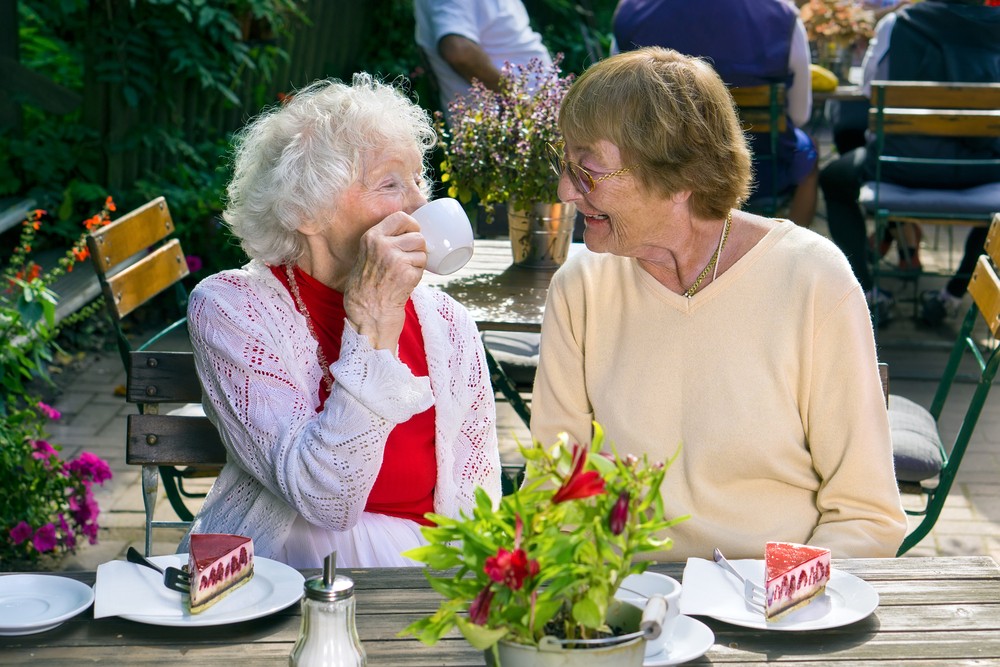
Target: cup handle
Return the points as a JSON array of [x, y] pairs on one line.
[[653, 616]]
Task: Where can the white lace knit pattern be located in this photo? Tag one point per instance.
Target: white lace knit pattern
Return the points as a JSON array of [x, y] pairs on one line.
[[258, 366]]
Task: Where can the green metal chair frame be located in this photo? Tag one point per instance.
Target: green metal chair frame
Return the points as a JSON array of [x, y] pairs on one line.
[[984, 286], [762, 111], [933, 109]]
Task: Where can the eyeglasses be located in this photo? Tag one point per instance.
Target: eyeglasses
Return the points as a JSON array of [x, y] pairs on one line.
[[581, 179]]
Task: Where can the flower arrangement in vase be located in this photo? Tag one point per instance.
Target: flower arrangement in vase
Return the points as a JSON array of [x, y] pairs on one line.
[[496, 148], [833, 28], [547, 560]]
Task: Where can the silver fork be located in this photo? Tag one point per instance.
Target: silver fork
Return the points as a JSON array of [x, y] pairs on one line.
[[754, 594], [173, 578]]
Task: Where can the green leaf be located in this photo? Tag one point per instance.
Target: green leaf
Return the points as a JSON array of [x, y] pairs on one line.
[[481, 637]]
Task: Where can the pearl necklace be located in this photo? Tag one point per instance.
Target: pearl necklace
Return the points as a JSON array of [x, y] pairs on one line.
[[715, 258], [294, 286]]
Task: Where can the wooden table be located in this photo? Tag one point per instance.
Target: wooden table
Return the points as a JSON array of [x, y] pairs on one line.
[[933, 611], [500, 296]]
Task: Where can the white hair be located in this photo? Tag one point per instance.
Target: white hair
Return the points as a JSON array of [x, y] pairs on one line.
[[292, 163]]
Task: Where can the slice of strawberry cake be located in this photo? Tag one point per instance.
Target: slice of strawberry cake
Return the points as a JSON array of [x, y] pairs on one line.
[[218, 564], [795, 575]]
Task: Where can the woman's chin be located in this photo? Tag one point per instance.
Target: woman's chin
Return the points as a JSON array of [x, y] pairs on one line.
[[596, 233]]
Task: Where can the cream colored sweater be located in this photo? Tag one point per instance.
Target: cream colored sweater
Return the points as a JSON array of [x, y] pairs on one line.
[[767, 378]]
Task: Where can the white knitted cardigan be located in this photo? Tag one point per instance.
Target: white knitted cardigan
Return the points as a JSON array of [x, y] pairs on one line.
[[258, 366]]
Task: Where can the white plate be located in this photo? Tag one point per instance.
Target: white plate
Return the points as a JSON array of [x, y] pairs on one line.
[[32, 603], [847, 599], [691, 639], [273, 587]]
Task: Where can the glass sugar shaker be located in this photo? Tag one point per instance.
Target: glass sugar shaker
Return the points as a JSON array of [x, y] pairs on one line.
[[329, 637]]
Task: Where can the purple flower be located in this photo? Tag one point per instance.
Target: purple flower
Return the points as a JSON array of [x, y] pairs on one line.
[[45, 538], [90, 467], [194, 263], [49, 411], [43, 451], [20, 532], [619, 514], [68, 537]]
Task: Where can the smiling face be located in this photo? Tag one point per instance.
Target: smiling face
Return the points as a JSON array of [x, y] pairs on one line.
[[622, 217]]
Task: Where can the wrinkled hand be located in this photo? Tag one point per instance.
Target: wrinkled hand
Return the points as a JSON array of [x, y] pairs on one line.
[[390, 263]]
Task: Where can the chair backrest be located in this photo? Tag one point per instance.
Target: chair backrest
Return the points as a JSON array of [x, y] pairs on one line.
[[135, 261], [762, 111], [984, 288], [934, 109], [158, 441]]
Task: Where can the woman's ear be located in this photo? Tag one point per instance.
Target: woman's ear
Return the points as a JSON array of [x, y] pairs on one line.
[[310, 228]]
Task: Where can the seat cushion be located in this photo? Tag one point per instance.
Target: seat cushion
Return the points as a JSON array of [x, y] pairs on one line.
[[982, 199], [916, 444], [517, 354]]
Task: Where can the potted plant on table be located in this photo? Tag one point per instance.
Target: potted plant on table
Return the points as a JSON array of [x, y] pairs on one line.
[[496, 147], [833, 27], [539, 570]]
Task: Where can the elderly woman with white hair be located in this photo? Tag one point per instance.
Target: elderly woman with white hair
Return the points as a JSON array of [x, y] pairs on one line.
[[352, 401]]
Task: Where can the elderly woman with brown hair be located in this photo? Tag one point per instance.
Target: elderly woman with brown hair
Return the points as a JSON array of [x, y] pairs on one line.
[[352, 401], [743, 340]]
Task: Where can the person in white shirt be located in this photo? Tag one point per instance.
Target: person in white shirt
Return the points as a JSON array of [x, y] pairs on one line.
[[473, 39]]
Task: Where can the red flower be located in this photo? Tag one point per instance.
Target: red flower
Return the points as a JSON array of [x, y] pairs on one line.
[[580, 484], [479, 610], [510, 568]]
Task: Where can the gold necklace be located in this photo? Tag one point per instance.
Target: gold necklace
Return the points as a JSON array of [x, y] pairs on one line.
[[327, 375], [715, 258]]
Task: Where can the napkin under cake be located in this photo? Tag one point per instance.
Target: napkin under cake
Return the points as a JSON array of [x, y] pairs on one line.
[[795, 575], [218, 564]]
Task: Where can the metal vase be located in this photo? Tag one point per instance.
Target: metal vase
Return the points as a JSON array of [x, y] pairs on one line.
[[625, 654], [540, 233]]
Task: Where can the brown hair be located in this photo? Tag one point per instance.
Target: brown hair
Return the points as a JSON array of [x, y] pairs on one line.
[[672, 117]]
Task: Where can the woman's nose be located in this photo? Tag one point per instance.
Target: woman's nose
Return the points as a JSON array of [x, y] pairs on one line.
[[566, 191], [414, 199]]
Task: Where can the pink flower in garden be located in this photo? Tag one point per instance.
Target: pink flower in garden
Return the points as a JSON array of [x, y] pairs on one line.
[[43, 451], [49, 411], [84, 510], [90, 467], [194, 263], [45, 538], [68, 539], [20, 532]]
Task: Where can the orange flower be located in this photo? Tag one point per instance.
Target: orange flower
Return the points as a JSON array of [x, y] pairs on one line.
[[109, 204], [81, 254]]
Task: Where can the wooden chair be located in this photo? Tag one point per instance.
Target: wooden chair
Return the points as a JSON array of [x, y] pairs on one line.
[[136, 259], [762, 112], [165, 441], [929, 109], [923, 465]]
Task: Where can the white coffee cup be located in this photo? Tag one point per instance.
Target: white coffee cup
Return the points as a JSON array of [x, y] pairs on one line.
[[638, 588], [447, 233]]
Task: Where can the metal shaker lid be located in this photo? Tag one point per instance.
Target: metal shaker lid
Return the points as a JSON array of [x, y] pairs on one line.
[[330, 586]]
